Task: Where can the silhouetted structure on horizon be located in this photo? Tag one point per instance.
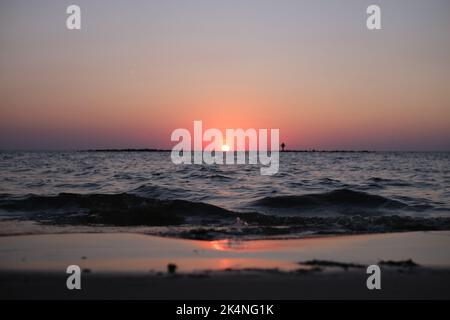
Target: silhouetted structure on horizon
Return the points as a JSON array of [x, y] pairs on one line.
[[283, 145]]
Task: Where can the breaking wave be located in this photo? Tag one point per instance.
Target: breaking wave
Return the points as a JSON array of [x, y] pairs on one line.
[[191, 219], [340, 201]]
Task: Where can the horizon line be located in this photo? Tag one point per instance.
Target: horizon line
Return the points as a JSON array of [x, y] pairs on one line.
[[311, 150]]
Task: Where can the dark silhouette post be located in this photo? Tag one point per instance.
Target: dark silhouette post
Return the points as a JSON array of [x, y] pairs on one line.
[[283, 145]]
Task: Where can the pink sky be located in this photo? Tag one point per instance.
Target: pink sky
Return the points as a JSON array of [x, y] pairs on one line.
[[309, 68]]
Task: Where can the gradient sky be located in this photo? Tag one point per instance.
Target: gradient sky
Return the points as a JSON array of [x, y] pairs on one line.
[[139, 69]]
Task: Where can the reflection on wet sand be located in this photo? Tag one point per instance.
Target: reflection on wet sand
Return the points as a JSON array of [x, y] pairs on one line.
[[139, 253]]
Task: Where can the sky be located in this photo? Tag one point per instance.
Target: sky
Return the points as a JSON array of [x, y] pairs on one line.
[[139, 69]]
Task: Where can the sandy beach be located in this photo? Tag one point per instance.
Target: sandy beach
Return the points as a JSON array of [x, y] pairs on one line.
[[132, 266]]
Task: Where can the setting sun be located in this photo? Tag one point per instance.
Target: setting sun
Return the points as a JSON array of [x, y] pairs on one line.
[[225, 148]]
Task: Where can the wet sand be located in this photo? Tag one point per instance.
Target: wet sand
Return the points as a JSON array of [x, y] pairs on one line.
[[131, 266]]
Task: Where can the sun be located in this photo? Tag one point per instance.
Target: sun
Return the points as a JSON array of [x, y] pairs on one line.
[[225, 148]]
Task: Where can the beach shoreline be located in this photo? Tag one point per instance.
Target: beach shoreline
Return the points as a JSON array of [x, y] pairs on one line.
[[131, 266]]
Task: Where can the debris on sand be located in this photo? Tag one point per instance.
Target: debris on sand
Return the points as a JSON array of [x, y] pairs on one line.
[[401, 263], [171, 268], [327, 263]]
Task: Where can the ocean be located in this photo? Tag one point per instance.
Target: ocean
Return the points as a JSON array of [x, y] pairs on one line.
[[313, 193]]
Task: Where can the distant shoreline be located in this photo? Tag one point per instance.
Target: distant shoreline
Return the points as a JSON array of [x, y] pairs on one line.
[[169, 150], [166, 150]]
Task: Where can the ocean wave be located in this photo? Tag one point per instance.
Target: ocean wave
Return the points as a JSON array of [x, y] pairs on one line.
[[159, 192], [389, 182], [198, 220], [114, 209], [340, 201]]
